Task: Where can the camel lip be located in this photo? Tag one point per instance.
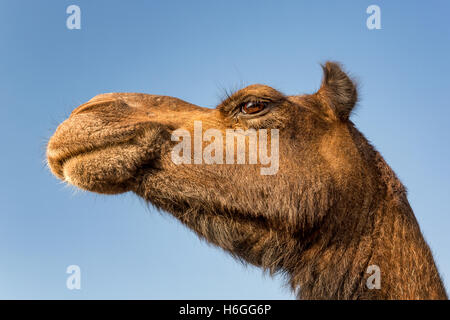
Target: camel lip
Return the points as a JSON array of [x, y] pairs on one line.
[[63, 147], [58, 157]]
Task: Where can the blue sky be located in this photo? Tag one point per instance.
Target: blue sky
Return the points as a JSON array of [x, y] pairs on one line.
[[194, 50]]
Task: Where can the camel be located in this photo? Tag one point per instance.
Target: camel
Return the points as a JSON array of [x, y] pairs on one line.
[[332, 212]]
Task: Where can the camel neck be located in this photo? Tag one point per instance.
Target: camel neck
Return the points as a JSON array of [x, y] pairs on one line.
[[389, 259]]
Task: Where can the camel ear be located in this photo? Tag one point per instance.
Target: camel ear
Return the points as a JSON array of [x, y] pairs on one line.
[[338, 91]]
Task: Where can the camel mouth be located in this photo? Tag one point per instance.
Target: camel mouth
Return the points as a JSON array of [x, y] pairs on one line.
[[106, 160], [79, 135], [57, 158], [109, 168]]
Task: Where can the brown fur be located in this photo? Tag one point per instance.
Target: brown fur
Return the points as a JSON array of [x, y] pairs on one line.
[[334, 207]]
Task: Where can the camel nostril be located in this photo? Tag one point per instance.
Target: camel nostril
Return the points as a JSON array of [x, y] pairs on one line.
[[91, 105]]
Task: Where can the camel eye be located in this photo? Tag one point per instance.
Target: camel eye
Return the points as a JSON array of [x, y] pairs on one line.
[[253, 107]]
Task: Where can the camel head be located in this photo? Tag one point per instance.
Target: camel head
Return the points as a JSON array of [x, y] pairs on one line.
[[298, 192]]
